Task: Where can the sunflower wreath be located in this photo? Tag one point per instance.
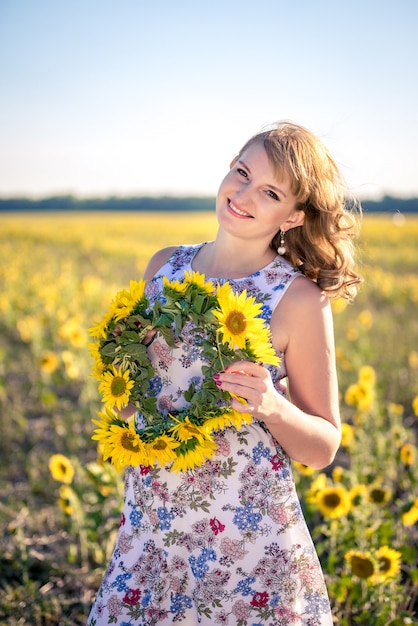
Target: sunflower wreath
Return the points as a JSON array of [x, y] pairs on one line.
[[227, 327]]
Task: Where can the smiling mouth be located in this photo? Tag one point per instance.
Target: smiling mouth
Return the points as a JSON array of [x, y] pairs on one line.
[[237, 211]]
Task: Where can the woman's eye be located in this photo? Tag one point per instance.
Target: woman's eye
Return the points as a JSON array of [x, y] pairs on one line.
[[242, 172], [272, 194]]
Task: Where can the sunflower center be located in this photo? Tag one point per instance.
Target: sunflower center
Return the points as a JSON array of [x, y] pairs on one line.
[[160, 445], [363, 568], [118, 386], [332, 500], [357, 500], [384, 564], [236, 322], [377, 495], [191, 429], [129, 442]]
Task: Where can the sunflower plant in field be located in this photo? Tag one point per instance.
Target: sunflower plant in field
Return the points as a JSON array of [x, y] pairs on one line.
[[89, 497], [364, 512], [227, 327]]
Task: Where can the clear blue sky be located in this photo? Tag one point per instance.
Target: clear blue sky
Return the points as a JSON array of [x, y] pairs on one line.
[[130, 97]]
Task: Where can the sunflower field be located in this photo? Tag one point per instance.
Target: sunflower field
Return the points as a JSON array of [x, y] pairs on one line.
[[60, 505]]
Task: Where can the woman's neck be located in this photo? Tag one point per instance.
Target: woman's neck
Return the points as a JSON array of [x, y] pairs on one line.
[[228, 257]]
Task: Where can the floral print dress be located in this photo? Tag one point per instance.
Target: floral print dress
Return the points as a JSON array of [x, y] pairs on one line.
[[225, 543]]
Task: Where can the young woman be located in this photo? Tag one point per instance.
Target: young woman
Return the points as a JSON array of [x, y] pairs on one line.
[[226, 542]]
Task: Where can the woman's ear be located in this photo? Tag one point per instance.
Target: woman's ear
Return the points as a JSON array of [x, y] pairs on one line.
[[296, 219]]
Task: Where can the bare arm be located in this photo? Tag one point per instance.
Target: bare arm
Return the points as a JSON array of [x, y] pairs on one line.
[[307, 425]]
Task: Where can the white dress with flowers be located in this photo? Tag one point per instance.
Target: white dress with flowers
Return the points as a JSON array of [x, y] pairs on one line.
[[225, 543]]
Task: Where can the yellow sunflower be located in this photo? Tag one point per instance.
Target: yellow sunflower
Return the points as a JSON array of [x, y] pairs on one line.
[[61, 469], [408, 454], [360, 395], [238, 316], [98, 367], [99, 329], [410, 516], [351, 395], [361, 563], [260, 345], [333, 502], [227, 419], [379, 495], [337, 474], [48, 362], [388, 564], [358, 495], [305, 470], [66, 499], [318, 484], [196, 278], [115, 387], [347, 435], [367, 375], [238, 419], [125, 447], [125, 301], [185, 430], [366, 396], [162, 450], [194, 455], [101, 434], [174, 285], [218, 422]]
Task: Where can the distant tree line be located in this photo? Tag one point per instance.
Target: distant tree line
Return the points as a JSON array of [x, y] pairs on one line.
[[113, 203], [387, 204]]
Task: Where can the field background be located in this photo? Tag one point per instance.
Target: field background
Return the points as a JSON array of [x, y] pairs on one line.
[[58, 272]]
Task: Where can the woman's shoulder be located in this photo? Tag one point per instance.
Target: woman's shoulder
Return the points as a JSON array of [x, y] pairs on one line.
[[304, 295], [158, 259], [177, 257], [303, 313], [304, 300]]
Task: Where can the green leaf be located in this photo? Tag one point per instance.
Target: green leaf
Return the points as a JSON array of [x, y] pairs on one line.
[[128, 335], [168, 335], [135, 350], [198, 303], [109, 349]]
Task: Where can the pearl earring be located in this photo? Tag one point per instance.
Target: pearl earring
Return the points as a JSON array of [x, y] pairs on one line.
[[281, 249]]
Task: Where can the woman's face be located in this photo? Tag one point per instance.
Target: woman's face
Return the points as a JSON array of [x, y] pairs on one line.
[[252, 201]]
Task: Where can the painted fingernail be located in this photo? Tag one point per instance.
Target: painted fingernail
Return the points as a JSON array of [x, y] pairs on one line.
[[216, 377], [218, 383]]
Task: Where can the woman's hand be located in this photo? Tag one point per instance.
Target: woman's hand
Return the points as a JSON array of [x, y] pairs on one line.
[[253, 383], [127, 411]]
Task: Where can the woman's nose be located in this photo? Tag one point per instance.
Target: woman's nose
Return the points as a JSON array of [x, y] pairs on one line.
[[244, 191]]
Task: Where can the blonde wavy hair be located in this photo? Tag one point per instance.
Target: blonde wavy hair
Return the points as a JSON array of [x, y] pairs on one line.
[[323, 246]]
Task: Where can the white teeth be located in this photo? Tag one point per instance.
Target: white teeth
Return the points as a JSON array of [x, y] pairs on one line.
[[238, 211]]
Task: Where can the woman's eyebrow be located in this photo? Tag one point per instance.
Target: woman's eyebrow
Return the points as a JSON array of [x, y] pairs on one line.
[[273, 187]]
